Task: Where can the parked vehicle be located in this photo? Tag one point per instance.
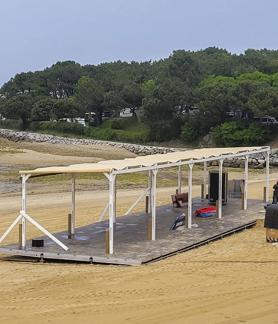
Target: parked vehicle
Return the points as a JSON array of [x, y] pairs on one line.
[[91, 118], [238, 114], [267, 120], [186, 110], [126, 112], [107, 114], [78, 120]]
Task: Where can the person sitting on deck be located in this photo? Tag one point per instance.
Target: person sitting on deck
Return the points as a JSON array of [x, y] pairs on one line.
[[179, 199], [275, 193]]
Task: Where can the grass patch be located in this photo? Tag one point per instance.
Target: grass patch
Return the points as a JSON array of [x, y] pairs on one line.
[[121, 130], [124, 131], [8, 147]]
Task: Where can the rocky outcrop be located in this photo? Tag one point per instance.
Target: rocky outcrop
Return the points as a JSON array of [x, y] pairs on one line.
[[17, 136], [256, 161]]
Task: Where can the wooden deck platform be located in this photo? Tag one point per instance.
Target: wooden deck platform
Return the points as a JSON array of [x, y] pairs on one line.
[[130, 239]]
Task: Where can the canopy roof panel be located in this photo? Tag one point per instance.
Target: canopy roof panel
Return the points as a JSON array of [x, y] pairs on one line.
[[163, 160]]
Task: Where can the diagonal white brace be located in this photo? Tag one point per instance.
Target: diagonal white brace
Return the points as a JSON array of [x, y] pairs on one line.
[[2, 238], [137, 201], [106, 175], [102, 215], [42, 229]]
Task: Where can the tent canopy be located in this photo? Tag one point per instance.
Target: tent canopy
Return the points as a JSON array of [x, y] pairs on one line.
[[161, 160]]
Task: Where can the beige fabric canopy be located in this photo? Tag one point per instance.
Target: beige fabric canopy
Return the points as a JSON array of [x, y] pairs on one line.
[[147, 161]]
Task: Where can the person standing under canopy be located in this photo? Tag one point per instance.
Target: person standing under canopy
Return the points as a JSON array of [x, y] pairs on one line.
[[275, 193]]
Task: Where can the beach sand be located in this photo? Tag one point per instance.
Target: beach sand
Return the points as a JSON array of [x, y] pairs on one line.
[[233, 280]]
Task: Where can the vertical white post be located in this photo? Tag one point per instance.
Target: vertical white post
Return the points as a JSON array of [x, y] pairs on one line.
[[189, 217], [245, 202], [267, 176], [153, 203], [23, 211], [179, 178], [149, 191], [115, 199], [111, 212], [205, 175], [72, 205], [220, 185]]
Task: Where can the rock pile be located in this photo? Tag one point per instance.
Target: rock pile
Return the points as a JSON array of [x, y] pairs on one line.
[[256, 161], [16, 136]]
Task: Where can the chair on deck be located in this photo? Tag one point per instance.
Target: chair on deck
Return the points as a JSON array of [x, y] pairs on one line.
[[179, 200]]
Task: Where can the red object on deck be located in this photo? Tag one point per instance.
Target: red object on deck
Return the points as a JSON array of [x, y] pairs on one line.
[[206, 211]]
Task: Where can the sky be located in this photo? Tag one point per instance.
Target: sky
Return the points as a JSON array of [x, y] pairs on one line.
[[38, 33]]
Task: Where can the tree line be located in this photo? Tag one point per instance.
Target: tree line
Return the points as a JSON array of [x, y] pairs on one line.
[[213, 82]]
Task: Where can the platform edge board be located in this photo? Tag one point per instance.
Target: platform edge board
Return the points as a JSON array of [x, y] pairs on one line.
[[119, 261], [198, 244], [71, 257]]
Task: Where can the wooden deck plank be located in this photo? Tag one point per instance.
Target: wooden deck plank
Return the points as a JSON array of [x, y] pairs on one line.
[[131, 244]]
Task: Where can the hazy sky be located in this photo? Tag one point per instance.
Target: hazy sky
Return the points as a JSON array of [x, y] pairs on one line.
[[37, 33]]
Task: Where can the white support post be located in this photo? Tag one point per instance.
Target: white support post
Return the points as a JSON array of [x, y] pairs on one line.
[[24, 217], [73, 206], [245, 201], [111, 212], [205, 175], [149, 191], [24, 209], [267, 177], [189, 213], [115, 200], [179, 178], [153, 203], [220, 185]]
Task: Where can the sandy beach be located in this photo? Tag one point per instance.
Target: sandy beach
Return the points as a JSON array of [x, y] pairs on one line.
[[233, 280]]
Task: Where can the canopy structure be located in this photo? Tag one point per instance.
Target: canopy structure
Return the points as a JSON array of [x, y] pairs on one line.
[[150, 163]]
